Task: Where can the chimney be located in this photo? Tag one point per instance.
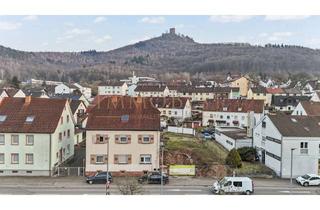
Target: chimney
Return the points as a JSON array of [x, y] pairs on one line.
[[27, 100]]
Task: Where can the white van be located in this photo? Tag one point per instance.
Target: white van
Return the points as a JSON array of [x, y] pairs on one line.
[[240, 185]]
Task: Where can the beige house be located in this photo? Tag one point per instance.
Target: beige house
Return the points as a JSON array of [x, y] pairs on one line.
[[243, 83], [110, 88], [260, 93], [36, 135], [127, 127]]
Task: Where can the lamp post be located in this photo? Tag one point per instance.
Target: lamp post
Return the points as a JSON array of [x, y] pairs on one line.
[[107, 181], [161, 167], [292, 149]]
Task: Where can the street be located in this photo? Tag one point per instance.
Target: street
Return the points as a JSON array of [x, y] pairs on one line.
[[177, 186]]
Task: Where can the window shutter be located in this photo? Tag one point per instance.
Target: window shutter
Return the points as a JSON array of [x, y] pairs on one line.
[[97, 139], [116, 137], [140, 139], [105, 159], [92, 159], [129, 139], [151, 139], [116, 161], [129, 159]]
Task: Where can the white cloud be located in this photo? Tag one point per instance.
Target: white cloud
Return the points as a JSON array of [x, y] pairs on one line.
[[276, 36], [73, 33], [133, 41], [103, 39], [285, 17], [9, 26], [153, 20], [31, 18], [229, 18], [78, 31], [99, 19]]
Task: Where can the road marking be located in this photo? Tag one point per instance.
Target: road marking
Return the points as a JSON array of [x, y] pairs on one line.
[[179, 190], [295, 192]]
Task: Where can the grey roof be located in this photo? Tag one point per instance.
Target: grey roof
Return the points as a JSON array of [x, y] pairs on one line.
[[288, 100], [297, 126]]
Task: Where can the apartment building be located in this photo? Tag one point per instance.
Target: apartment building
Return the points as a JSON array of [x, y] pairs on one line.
[[110, 88], [307, 108], [152, 91], [260, 93]]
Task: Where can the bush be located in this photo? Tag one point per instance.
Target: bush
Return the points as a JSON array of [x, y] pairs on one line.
[[247, 154], [233, 159]]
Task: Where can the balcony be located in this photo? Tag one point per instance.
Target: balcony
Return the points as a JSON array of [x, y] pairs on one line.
[[303, 151]]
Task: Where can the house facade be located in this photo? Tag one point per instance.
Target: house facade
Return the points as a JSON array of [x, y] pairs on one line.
[[275, 136], [86, 91], [35, 136], [260, 93], [130, 128], [307, 108], [232, 112], [232, 138], [152, 91], [286, 102], [113, 88]]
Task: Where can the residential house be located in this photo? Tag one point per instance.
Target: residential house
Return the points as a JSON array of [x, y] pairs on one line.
[[316, 96], [152, 91], [12, 92], [307, 108], [204, 93], [65, 89], [36, 135], [77, 96], [243, 83], [260, 93], [78, 109], [123, 132], [113, 88], [276, 137], [287, 103], [310, 87], [232, 112], [86, 91]]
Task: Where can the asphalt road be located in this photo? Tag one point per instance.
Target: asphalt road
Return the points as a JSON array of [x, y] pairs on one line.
[[177, 186]]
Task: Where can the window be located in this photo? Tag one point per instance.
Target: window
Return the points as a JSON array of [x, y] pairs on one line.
[[68, 133], [211, 115], [146, 139], [221, 116], [225, 108], [3, 118], [164, 112], [169, 112], [29, 119], [29, 158], [2, 139], [68, 149], [228, 117], [263, 124], [123, 139], [303, 147], [14, 158], [61, 121], [237, 184], [175, 113], [14, 140], [99, 159], [60, 136], [29, 140], [67, 118], [123, 159], [145, 159], [64, 133], [125, 118], [1, 158]]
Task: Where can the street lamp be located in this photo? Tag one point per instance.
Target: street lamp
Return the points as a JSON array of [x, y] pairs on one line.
[[292, 149], [107, 181], [161, 167]]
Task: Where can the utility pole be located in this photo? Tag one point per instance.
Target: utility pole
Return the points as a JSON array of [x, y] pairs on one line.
[[107, 181], [161, 167], [292, 149]]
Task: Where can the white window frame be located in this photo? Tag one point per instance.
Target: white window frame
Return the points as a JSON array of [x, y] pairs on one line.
[[2, 161], [123, 159], [122, 142], [3, 139], [100, 156], [28, 139], [28, 161], [304, 148], [12, 143], [143, 159], [12, 155], [146, 142]]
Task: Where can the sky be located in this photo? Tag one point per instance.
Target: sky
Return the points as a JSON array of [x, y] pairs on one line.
[[103, 33]]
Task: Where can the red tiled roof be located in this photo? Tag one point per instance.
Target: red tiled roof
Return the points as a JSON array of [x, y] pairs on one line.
[[124, 113], [46, 112], [169, 102], [311, 108], [275, 90], [234, 105]]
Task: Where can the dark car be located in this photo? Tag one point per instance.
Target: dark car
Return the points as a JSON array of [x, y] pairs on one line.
[[154, 178], [99, 178]]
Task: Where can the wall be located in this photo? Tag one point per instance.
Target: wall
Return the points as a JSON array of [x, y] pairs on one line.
[[181, 130]]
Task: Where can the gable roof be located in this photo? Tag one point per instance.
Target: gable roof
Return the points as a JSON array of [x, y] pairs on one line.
[[259, 89], [46, 114], [288, 100], [311, 108], [74, 104], [11, 91], [169, 102], [299, 126], [234, 105], [111, 83], [275, 90], [139, 112], [292, 91]]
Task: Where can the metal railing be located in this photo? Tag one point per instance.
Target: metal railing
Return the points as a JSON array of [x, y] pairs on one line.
[[69, 171]]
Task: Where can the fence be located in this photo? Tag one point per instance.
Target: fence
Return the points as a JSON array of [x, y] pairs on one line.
[[69, 171], [181, 130]]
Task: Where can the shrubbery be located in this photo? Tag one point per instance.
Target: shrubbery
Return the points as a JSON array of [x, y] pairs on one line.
[[247, 154], [233, 159]]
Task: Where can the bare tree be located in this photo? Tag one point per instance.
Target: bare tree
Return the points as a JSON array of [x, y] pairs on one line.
[[129, 186]]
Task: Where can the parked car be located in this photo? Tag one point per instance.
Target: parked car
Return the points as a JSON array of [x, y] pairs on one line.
[[233, 185], [154, 178], [308, 180], [99, 178]]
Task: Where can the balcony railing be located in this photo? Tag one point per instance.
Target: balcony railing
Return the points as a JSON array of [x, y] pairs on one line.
[[303, 151]]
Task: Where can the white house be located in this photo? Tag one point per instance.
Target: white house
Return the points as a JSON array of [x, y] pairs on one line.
[[113, 88], [307, 108], [316, 96], [286, 102], [276, 136], [232, 138], [152, 91], [130, 128], [64, 89], [86, 91], [36, 135], [232, 112]]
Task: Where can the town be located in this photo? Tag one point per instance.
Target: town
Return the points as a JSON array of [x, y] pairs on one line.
[[140, 130]]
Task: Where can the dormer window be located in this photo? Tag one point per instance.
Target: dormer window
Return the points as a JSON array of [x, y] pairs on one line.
[[239, 109], [29, 119], [225, 108], [3, 118], [124, 118]]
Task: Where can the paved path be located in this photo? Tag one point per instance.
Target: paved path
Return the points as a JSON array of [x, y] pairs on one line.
[[177, 186]]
